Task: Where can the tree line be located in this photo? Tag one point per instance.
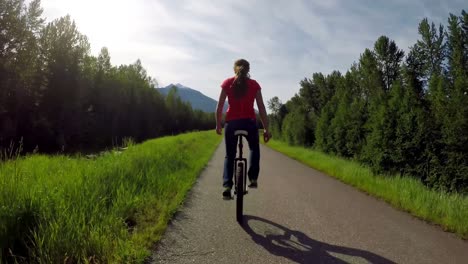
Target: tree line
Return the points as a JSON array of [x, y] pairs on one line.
[[397, 114], [56, 96]]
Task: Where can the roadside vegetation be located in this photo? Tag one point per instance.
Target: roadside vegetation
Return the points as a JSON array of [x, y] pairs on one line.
[[396, 113], [107, 209], [56, 96]]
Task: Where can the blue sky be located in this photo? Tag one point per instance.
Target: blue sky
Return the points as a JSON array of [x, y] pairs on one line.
[[195, 42]]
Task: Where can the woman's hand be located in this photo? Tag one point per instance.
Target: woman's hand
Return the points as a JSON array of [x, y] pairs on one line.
[[219, 130], [266, 135]]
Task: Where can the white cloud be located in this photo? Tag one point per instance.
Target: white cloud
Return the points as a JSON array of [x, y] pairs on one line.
[[196, 42]]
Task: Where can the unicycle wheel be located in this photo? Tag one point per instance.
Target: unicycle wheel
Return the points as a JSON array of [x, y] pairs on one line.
[[239, 191]]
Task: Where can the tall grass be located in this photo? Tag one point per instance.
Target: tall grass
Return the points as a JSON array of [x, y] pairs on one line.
[[447, 210], [107, 210]]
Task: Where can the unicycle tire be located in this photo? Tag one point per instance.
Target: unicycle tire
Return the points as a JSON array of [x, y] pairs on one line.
[[239, 192]]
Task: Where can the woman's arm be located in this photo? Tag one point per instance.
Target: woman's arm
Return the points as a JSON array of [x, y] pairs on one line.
[[219, 112], [263, 116]]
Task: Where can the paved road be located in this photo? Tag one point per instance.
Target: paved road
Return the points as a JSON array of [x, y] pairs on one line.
[[298, 215]]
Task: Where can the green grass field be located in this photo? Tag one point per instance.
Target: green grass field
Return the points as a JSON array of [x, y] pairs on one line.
[[106, 210], [447, 210]]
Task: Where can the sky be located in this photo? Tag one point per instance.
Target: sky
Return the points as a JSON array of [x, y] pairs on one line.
[[195, 42]]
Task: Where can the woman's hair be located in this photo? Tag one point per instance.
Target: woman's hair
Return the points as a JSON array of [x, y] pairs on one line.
[[241, 69]]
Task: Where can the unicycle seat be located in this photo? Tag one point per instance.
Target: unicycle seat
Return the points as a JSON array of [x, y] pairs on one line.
[[241, 133]]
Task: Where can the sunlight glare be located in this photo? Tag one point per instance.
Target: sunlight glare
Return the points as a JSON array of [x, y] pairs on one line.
[[105, 22]]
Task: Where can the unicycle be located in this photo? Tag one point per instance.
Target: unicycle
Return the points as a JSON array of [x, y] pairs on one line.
[[240, 179]]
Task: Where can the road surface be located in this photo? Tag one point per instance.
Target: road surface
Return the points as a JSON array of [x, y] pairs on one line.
[[298, 215]]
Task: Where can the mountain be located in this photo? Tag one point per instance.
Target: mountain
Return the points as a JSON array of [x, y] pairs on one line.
[[195, 98]]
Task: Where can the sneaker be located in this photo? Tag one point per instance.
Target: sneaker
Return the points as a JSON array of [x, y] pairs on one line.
[[253, 184], [227, 193]]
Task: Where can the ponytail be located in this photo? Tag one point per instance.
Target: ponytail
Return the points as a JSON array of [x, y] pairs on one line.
[[241, 69]]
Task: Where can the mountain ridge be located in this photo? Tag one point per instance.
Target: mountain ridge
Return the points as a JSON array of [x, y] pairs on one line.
[[196, 98]]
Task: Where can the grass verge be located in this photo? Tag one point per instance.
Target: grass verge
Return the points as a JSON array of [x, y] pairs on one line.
[[447, 210], [106, 210]]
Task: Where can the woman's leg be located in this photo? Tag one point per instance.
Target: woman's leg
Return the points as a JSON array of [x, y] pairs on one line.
[[230, 141], [254, 145]]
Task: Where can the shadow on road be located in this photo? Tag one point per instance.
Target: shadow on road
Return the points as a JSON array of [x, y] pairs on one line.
[[300, 248]]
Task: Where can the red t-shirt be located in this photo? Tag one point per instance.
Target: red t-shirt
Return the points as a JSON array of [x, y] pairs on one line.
[[243, 107]]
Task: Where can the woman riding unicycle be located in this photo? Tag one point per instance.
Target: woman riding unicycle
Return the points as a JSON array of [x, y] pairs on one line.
[[241, 92]]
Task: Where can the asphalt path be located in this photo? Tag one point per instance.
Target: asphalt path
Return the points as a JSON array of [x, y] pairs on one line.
[[298, 215]]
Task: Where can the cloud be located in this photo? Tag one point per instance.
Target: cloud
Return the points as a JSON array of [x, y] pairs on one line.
[[196, 42]]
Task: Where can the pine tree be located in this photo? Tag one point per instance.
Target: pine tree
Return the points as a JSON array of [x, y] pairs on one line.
[[297, 127], [278, 112], [323, 132], [380, 138], [350, 117], [389, 57], [20, 25], [372, 89], [455, 122], [328, 102]]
